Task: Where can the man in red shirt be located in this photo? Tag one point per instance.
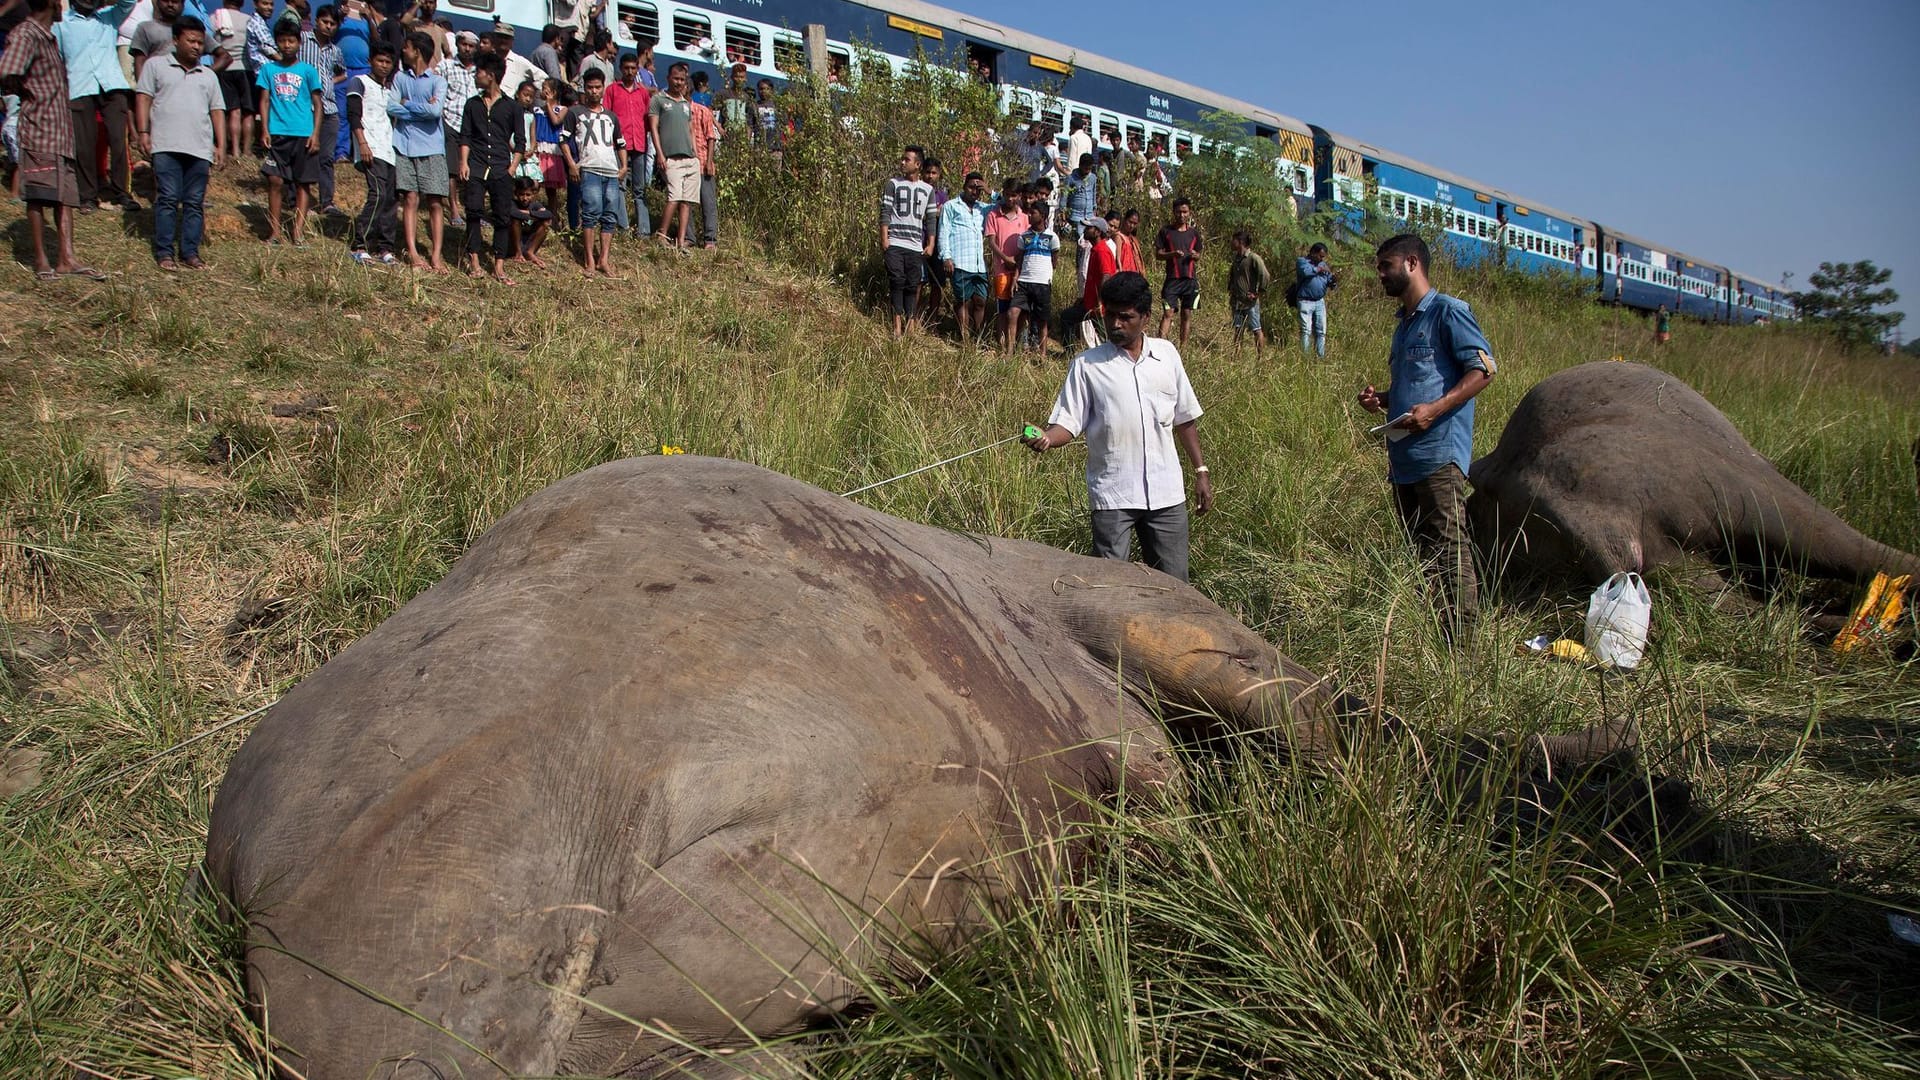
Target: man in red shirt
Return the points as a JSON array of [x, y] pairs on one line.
[[1103, 261], [628, 100]]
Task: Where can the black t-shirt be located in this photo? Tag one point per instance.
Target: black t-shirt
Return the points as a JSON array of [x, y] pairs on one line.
[[493, 134], [1184, 243]]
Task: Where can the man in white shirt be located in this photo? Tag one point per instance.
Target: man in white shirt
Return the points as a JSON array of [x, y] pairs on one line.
[[1132, 400], [372, 130], [1079, 140], [519, 68]]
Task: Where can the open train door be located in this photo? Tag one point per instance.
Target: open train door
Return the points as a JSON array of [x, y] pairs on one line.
[[984, 62]]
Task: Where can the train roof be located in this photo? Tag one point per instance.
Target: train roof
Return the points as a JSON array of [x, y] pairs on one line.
[[1032, 43], [1452, 178]]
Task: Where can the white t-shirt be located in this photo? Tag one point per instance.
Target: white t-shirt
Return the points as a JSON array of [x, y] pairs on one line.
[[1127, 410], [374, 121], [1036, 256], [903, 210], [1079, 144]]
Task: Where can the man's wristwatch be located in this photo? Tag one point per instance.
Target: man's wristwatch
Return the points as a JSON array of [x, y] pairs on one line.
[[1200, 469]]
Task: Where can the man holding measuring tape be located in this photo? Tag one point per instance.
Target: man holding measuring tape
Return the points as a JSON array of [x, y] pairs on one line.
[[1132, 400]]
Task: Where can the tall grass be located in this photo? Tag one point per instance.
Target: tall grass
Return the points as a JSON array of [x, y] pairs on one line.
[[1272, 922]]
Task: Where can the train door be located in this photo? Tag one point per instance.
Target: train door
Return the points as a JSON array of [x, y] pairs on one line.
[[984, 62]]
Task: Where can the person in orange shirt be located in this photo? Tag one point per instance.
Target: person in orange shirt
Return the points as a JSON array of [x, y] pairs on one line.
[[706, 137], [1004, 225], [1126, 233]]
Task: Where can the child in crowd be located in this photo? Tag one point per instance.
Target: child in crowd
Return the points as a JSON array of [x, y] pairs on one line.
[[702, 91], [549, 133], [290, 92], [596, 153], [530, 222], [1033, 294]]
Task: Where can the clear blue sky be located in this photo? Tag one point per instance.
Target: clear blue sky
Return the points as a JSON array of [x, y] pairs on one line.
[[1763, 136]]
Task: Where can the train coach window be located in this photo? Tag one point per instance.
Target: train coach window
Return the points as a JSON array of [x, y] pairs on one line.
[[473, 5], [1051, 116], [640, 20], [688, 29], [839, 64], [743, 44], [1108, 125], [1136, 138], [789, 55], [1082, 117]]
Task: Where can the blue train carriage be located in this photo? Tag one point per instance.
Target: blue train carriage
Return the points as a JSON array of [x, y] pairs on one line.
[[1641, 274], [766, 36], [1478, 221], [1755, 301]]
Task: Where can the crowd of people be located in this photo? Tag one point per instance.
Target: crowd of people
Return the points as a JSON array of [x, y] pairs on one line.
[[453, 128], [996, 256], [447, 129]]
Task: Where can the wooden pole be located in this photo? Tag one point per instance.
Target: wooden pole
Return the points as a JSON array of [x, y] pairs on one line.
[[817, 62]]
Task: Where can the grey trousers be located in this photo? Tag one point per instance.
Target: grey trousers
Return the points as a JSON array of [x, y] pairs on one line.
[[709, 210], [1163, 537], [1434, 512]]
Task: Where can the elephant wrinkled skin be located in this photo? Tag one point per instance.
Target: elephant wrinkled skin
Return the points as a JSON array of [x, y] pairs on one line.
[[1616, 466], [658, 741]]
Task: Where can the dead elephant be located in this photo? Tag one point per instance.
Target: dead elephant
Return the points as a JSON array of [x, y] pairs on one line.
[[1614, 466], [662, 742]]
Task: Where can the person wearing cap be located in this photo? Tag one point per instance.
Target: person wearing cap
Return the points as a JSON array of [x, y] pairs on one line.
[[519, 68], [457, 70], [1103, 261]]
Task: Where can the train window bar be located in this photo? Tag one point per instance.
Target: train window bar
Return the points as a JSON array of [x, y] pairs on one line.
[[743, 44], [789, 54], [688, 29], [640, 20]]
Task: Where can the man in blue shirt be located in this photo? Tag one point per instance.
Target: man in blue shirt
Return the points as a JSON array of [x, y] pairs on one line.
[[1440, 361], [89, 38], [1313, 277], [962, 246]]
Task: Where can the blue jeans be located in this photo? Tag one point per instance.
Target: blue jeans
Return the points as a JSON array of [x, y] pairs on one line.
[[639, 173], [179, 211], [1313, 325], [600, 199]]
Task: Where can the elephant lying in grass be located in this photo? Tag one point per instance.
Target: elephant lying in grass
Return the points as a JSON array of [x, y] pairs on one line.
[[1613, 466], [683, 741]]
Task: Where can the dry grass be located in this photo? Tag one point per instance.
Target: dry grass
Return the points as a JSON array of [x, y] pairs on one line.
[[172, 554]]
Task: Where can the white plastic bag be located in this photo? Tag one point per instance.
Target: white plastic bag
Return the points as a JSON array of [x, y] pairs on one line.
[[1617, 618]]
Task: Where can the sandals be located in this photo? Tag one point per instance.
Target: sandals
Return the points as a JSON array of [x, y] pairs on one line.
[[87, 272], [167, 265]]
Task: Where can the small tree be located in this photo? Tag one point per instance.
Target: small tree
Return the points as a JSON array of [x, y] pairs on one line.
[[1843, 299]]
